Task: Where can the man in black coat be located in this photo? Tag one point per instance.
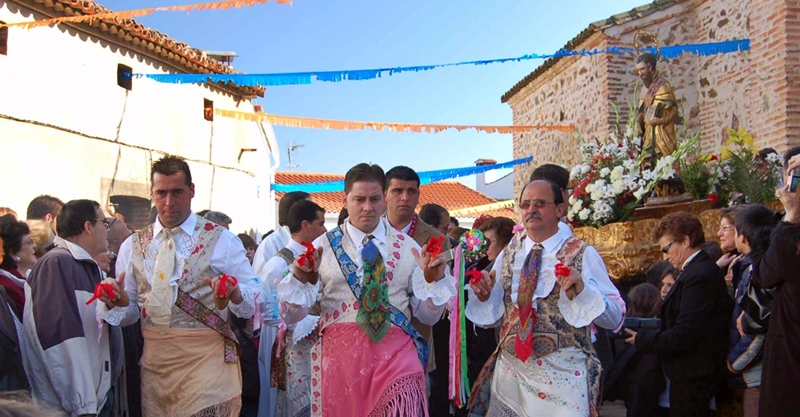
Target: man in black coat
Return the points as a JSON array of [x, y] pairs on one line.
[[693, 340]]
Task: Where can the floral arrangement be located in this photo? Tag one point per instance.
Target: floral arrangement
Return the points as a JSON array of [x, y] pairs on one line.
[[745, 177], [610, 183]]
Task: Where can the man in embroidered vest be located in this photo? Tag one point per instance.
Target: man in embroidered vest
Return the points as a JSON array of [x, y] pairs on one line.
[[545, 364], [291, 359], [189, 366], [369, 360]]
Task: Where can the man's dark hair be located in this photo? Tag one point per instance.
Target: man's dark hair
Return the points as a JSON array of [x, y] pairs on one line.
[[454, 220], [402, 173], [789, 154], [302, 210], [11, 232], [364, 173], [713, 250], [558, 198], [247, 241], [217, 217], [74, 215], [202, 213], [42, 206], [286, 203], [647, 58], [342, 217], [755, 223], [553, 173], [171, 165], [432, 214]]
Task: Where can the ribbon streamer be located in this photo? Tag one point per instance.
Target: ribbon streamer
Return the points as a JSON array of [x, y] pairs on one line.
[[130, 14], [425, 177], [483, 208], [299, 78], [311, 123]]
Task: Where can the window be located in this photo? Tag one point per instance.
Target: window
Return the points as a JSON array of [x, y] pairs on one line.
[[125, 77], [208, 110], [4, 40]]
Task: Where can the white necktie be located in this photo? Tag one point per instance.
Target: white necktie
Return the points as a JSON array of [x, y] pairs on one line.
[[159, 302]]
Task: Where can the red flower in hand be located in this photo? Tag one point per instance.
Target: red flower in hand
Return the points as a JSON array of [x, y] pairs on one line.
[[435, 246], [562, 270], [308, 256], [101, 288], [714, 198], [474, 275], [224, 281]]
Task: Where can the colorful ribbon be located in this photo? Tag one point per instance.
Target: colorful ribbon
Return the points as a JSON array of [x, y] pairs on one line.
[[129, 14], [299, 78], [425, 177], [327, 124]]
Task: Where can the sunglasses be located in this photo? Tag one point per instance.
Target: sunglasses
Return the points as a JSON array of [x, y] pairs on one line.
[[665, 249]]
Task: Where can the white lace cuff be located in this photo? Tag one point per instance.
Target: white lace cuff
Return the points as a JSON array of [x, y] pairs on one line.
[[304, 328], [438, 292], [292, 291], [113, 316], [247, 308], [486, 314], [584, 308]]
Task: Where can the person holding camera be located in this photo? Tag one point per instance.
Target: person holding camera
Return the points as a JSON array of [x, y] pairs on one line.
[[778, 268], [693, 338]]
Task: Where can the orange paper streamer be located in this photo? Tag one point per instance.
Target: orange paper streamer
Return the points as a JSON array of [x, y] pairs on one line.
[[309, 123], [130, 14]]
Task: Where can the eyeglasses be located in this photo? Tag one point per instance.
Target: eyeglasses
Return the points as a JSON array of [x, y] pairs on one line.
[[29, 241], [113, 220], [105, 222], [665, 249], [726, 228], [535, 203]]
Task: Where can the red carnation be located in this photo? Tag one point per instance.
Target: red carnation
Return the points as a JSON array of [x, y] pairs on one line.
[[714, 198], [209, 226]]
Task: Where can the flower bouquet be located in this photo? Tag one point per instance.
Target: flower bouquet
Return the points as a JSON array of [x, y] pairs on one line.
[[744, 177]]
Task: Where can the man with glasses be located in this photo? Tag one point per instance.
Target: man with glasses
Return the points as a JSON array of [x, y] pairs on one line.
[[545, 364], [67, 353]]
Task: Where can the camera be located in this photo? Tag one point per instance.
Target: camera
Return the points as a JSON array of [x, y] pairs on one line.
[[794, 181]]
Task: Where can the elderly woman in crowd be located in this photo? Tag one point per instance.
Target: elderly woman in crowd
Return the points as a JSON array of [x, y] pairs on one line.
[[42, 235], [779, 268], [693, 339], [730, 261], [18, 259]]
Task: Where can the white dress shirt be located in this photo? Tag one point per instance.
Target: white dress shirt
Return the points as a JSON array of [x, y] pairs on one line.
[[227, 257], [598, 303], [269, 247], [272, 274], [427, 300]]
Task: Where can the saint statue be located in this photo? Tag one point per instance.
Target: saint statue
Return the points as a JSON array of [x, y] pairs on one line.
[[658, 109]]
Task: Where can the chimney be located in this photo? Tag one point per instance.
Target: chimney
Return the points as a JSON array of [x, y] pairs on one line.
[[484, 177]]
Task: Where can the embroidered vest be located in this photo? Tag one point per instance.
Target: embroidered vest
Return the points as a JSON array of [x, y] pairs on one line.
[[194, 295]]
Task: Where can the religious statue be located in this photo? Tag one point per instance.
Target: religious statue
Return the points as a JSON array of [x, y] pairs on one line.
[[658, 109]]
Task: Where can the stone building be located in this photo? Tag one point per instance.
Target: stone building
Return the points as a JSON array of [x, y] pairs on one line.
[[74, 126], [758, 89]]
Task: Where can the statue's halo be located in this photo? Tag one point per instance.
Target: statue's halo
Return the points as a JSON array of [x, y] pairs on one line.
[[642, 39]]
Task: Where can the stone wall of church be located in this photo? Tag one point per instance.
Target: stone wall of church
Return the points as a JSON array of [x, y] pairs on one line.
[[759, 89]]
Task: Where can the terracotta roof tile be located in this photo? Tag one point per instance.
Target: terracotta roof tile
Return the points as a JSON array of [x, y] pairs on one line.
[[451, 195], [128, 30]]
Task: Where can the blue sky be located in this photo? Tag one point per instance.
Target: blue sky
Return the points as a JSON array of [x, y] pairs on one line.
[[315, 35]]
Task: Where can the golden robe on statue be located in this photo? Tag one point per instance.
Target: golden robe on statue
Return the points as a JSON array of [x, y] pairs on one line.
[[657, 111]]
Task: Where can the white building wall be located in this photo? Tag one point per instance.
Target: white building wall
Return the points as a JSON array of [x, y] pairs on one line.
[[68, 129]]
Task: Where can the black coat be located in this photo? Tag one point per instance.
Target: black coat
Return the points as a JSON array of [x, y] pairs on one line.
[[693, 341], [780, 267], [12, 373]]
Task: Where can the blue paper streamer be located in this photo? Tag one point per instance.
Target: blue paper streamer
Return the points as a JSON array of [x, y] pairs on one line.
[[299, 78], [425, 177]]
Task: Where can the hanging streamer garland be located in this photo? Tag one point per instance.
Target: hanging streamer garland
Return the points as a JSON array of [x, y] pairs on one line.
[[425, 177], [310, 123], [471, 244], [298, 78], [482, 208], [130, 14]]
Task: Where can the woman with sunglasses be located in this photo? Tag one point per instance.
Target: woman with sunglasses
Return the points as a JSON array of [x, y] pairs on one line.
[[693, 338]]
